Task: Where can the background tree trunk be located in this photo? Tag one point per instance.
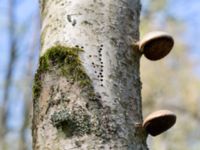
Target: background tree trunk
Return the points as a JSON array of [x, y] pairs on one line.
[[29, 74], [87, 89], [9, 75]]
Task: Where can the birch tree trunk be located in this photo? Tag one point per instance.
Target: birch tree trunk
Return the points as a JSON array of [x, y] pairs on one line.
[[87, 89]]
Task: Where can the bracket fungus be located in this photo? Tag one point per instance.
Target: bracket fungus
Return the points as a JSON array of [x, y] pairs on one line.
[[159, 121], [156, 45]]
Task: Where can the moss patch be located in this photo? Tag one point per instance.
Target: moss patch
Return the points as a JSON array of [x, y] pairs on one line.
[[63, 61]]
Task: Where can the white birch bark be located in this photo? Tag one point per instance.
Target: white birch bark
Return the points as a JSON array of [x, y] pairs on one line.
[[105, 30]]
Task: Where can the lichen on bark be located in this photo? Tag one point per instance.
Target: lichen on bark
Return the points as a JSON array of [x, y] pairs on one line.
[[71, 123]]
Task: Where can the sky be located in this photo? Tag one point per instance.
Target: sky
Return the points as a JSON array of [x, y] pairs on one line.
[[26, 10], [189, 13]]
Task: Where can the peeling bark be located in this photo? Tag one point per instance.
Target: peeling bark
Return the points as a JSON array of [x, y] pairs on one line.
[[87, 90]]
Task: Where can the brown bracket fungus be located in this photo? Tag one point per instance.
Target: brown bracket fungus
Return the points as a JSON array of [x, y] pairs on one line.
[[159, 121], [156, 45]]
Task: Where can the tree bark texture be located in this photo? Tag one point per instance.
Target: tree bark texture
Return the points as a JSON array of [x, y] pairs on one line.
[[87, 89]]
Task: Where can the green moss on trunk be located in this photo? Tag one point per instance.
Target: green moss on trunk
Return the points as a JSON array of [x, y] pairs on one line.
[[64, 61]]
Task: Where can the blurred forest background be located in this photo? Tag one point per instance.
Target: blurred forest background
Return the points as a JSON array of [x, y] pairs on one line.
[[172, 83]]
